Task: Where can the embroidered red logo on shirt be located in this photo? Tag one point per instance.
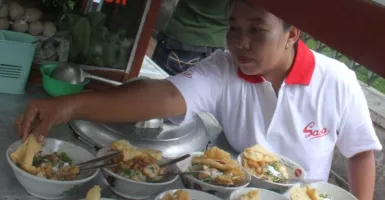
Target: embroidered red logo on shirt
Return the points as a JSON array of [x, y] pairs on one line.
[[187, 74], [314, 133], [298, 172]]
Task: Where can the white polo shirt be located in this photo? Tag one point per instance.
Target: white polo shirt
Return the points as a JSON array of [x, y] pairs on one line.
[[320, 105]]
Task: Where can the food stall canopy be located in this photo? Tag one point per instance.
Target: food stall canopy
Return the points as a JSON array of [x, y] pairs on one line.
[[355, 28]]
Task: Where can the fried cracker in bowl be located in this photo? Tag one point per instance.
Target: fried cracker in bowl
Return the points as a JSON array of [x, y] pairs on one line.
[[218, 173], [319, 191], [138, 174], [255, 194], [45, 170], [185, 194], [269, 170]]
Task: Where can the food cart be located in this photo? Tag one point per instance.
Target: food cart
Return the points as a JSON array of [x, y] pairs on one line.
[[339, 37]]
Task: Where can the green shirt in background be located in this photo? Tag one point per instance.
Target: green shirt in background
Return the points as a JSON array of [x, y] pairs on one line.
[[199, 22]]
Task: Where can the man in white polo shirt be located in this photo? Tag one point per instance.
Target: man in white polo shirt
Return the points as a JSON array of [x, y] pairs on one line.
[[319, 105], [269, 90]]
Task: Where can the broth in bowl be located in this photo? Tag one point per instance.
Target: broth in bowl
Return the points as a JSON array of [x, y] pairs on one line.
[[255, 194], [53, 166], [138, 174], [216, 167], [268, 170], [319, 191], [29, 158], [138, 164], [217, 173]]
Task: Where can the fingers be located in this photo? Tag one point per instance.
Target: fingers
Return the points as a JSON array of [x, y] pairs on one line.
[[27, 118], [19, 126], [41, 130]]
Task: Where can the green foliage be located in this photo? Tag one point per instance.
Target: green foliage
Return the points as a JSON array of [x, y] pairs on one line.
[[93, 43]]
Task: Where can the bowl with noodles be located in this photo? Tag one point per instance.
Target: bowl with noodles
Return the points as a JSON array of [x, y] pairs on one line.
[[255, 194], [46, 169], [319, 191], [268, 170], [138, 174], [217, 173]]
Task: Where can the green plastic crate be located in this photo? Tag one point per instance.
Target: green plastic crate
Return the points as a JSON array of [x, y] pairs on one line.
[[16, 55]]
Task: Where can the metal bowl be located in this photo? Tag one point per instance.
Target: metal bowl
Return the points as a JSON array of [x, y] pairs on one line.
[[173, 140]]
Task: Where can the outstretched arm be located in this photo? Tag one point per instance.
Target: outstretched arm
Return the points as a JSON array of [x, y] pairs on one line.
[[135, 101]]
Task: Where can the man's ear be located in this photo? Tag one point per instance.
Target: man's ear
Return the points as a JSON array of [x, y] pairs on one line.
[[294, 35]]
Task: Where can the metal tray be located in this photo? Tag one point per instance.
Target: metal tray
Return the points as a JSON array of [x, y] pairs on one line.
[[172, 140]]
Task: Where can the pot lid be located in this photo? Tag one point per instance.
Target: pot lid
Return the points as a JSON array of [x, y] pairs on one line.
[[173, 140]]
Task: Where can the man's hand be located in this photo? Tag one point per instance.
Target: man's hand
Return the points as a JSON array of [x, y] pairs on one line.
[[362, 175], [41, 115]]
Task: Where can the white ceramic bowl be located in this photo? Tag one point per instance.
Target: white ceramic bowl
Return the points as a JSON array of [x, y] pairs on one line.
[[194, 194], [131, 189], [293, 169], [263, 194], [333, 191], [196, 184], [52, 189]]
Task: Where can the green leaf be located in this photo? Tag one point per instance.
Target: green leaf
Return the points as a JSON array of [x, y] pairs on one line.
[[81, 34], [37, 160], [97, 19], [69, 20], [111, 53], [65, 158]]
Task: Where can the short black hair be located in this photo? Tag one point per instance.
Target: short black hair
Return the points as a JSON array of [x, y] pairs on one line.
[[286, 26]]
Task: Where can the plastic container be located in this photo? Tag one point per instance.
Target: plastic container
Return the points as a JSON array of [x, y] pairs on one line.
[[17, 52], [55, 87]]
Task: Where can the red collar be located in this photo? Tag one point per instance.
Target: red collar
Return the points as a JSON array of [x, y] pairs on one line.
[[300, 73]]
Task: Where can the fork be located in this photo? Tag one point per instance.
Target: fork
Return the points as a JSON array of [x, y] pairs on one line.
[[85, 165], [301, 181]]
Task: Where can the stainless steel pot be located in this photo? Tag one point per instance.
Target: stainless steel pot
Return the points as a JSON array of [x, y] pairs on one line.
[[171, 139]]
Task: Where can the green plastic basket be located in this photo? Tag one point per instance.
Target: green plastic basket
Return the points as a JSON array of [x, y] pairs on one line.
[[16, 55]]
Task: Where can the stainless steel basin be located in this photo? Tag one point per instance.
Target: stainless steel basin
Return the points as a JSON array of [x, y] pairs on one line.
[[173, 140]]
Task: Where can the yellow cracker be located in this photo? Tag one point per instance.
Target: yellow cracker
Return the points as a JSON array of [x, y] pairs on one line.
[[259, 153], [94, 193], [182, 195], [217, 153], [33, 148]]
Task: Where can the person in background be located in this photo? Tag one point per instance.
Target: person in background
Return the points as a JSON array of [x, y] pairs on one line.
[[195, 30]]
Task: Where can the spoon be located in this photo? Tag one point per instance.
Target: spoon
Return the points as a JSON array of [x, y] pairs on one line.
[[173, 161], [301, 181], [75, 75], [197, 172]]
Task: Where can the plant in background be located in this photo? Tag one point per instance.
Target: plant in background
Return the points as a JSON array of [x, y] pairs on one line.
[[92, 42], [62, 5]]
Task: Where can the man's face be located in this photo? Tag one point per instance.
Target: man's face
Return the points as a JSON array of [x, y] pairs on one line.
[[256, 38]]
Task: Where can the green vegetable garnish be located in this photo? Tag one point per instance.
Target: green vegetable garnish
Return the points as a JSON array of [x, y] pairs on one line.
[[65, 158], [129, 172], [37, 160], [275, 165], [195, 167], [207, 180]]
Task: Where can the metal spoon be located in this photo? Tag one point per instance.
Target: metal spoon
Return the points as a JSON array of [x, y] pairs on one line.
[[173, 161], [301, 181], [191, 173], [75, 75]]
